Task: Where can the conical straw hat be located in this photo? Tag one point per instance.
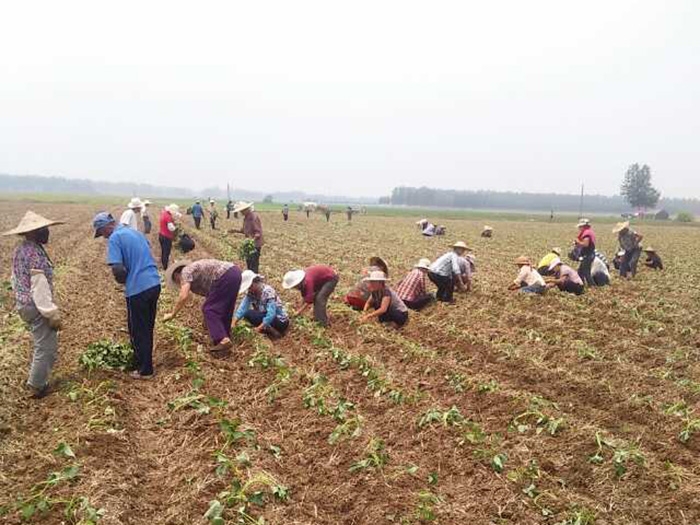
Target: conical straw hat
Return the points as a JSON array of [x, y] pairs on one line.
[[30, 222]]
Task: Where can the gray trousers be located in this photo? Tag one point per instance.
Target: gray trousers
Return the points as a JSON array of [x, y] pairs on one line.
[[321, 301], [45, 346]]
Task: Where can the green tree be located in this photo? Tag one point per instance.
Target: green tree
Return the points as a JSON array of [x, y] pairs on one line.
[[637, 189], [268, 199]]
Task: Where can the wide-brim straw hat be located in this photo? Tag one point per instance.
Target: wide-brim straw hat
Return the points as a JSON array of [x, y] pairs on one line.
[[523, 261], [423, 264], [247, 278], [169, 281], [583, 222], [379, 263], [649, 249], [488, 228], [292, 279], [556, 250], [135, 202], [621, 226], [422, 221], [147, 202], [241, 206], [460, 244], [31, 222], [556, 262], [376, 277]]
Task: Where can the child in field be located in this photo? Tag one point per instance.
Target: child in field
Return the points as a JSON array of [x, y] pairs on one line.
[[388, 307], [316, 284]]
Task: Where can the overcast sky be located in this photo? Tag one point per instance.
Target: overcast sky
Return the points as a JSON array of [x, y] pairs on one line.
[[354, 97]]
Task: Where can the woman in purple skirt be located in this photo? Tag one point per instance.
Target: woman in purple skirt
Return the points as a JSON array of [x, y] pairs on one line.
[[219, 282]]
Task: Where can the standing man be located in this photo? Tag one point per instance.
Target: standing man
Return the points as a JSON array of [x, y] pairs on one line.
[[129, 217], [585, 245], [129, 255], [285, 212], [252, 229], [229, 207], [166, 232], [197, 214], [327, 212], [146, 218], [629, 242], [349, 212], [446, 273], [213, 214], [32, 282]]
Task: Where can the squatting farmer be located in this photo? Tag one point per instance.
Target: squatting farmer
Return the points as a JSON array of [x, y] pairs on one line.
[[529, 280], [565, 278], [387, 306], [446, 273], [217, 281], [32, 283], [316, 284], [261, 306], [129, 256], [357, 297], [412, 290], [653, 260]]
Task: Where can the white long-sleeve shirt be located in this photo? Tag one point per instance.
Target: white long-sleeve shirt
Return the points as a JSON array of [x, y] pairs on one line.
[[129, 219]]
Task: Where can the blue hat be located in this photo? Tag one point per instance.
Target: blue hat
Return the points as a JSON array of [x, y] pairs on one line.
[[101, 220]]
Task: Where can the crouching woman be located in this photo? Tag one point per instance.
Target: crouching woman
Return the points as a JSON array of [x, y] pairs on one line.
[[261, 306], [388, 308]]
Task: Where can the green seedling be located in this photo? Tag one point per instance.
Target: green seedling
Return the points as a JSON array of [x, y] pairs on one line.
[[376, 457]]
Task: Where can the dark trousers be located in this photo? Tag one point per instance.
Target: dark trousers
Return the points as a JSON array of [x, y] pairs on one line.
[[629, 262], [166, 245], [321, 301], [141, 313], [197, 222], [220, 304], [255, 318], [445, 287], [600, 279], [147, 224], [571, 287], [286, 217], [584, 269], [420, 302], [399, 318], [228, 213], [212, 222], [253, 260]]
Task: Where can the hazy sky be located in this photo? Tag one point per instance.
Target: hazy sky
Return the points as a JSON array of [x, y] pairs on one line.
[[354, 97]]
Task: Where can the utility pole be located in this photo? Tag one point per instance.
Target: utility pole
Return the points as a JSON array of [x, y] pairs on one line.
[[228, 191], [580, 206]]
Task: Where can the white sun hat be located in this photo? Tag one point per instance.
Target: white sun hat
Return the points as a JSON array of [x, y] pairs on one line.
[[422, 221], [488, 228], [242, 205], [135, 202], [376, 276], [146, 202], [173, 208], [556, 262], [30, 222], [292, 279], [247, 278], [460, 244], [423, 263], [583, 222]]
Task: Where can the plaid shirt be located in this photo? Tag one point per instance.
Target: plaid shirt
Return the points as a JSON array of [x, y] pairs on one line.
[[446, 265], [29, 256], [412, 286]]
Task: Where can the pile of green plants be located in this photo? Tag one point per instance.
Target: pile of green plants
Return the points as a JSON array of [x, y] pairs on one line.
[[107, 354], [246, 249]]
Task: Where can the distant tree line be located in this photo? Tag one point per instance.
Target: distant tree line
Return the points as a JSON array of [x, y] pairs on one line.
[[543, 202]]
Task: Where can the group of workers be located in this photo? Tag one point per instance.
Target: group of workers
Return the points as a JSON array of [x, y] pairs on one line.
[[132, 264], [593, 270]]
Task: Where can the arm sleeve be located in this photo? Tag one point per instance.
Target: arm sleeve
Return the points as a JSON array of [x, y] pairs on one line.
[[243, 308], [456, 270], [114, 252], [309, 291], [270, 313], [42, 296]]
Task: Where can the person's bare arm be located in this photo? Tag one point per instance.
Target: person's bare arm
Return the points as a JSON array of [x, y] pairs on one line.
[[181, 300], [383, 308]]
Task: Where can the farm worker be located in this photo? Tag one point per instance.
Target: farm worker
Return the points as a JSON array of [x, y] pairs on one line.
[[217, 281], [197, 214], [445, 272], [229, 208], [487, 232], [529, 280], [285, 212], [316, 284], [565, 278], [600, 271], [617, 261], [629, 242], [32, 283], [167, 231], [261, 306], [327, 212], [129, 217], [465, 267], [387, 306], [252, 229], [543, 265], [146, 218], [585, 245], [421, 223], [349, 212], [357, 297], [653, 260], [411, 289], [428, 229], [129, 255], [213, 214]]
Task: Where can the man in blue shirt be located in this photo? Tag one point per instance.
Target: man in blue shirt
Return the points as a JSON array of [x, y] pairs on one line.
[[197, 214], [129, 255]]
